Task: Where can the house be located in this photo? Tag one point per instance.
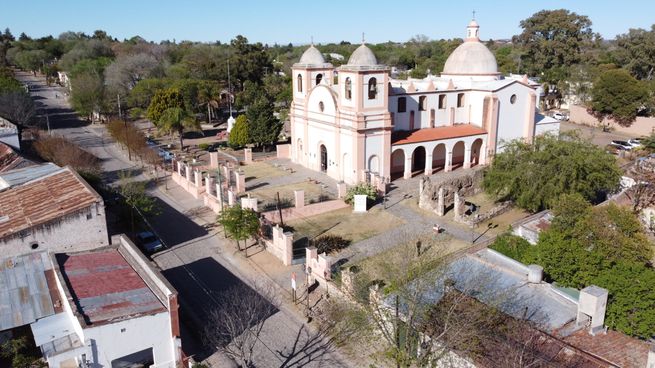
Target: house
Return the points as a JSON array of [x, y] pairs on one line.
[[46, 207], [11, 160], [102, 308], [356, 123], [530, 227], [9, 134]]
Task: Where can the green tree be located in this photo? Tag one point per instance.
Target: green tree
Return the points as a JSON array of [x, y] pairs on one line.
[[87, 94], [634, 52], [15, 350], [136, 197], [552, 41], [239, 134], [239, 223], [618, 95], [163, 100], [263, 127], [534, 175], [175, 119]]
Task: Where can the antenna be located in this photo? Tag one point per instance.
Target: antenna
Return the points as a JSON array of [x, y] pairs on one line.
[[229, 87]]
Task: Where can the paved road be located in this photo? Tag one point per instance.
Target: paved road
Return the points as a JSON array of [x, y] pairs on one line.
[[199, 262]]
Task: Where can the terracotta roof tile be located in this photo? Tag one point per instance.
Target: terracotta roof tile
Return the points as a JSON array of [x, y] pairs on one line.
[[615, 347], [433, 134]]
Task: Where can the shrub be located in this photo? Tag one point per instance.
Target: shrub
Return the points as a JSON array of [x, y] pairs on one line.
[[204, 146], [64, 152], [330, 243], [239, 136], [512, 246], [361, 188]]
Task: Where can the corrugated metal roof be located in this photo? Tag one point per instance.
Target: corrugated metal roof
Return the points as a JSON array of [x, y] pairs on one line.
[[17, 177], [10, 160], [106, 288], [41, 201], [24, 292]]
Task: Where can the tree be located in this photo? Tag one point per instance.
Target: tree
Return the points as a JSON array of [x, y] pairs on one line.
[[618, 95], [126, 71], [15, 349], [634, 52], [239, 223], [552, 41], [87, 93], [239, 134], [17, 107], [135, 196], [163, 100], [175, 119], [263, 127], [235, 325], [534, 175]]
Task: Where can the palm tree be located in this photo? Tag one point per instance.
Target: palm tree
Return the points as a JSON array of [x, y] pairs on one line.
[[175, 119]]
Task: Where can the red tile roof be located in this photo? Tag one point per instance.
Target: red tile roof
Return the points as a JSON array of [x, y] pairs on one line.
[[616, 347], [43, 200], [106, 288], [434, 134]]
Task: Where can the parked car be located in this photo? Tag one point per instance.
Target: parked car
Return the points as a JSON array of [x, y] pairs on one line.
[[561, 117], [621, 145], [149, 242], [635, 142]]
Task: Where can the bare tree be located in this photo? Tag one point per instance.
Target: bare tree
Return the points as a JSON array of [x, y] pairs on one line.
[[235, 326], [642, 193], [124, 73], [18, 108]]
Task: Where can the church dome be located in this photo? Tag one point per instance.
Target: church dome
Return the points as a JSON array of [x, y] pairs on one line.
[[312, 56], [363, 56], [472, 57]]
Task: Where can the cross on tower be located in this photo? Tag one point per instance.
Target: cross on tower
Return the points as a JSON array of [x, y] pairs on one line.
[[312, 40], [474, 15], [363, 38]]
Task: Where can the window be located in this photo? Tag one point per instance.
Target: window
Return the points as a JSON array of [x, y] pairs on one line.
[[34, 246], [432, 117], [372, 88], [349, 89], [402, 104], [460, 100], [442, 101], [319, 77], [512, 99], [321, 106], [89, 216], [422, 103], [299, 83]]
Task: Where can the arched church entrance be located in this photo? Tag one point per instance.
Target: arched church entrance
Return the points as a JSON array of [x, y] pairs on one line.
[[458, 155], [439, 157], [373, 164], [476, 149], [397, 164], [324, 158], [418, 160]]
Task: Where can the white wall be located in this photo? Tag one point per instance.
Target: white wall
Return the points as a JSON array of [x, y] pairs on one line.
[[72, 233], [512, 117]]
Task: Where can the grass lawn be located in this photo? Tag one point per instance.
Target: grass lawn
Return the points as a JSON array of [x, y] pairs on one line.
[[404, 255], [257, 170], [268, 194], [345, 223]]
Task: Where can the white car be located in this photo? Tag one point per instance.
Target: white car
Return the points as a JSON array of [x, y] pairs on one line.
[[622, 145], [635, 142], [561, 117]]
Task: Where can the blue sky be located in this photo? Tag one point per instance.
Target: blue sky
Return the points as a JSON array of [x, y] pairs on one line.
[[297, 21]]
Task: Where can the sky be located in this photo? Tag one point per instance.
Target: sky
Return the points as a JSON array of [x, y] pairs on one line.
[[297, 22]]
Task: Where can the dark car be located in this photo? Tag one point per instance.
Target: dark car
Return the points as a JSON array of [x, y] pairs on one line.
[[149, 242]]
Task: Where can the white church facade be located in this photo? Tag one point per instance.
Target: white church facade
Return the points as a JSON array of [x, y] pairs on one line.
[[356, 124]]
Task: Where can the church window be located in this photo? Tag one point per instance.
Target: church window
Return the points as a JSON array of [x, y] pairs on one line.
[[512, 99], [321, 106], [319, 77], [402, 104], [372, 88], [422, 103], [432, 118], [299, 83], [348, 89], [442, 101], [460, 100]]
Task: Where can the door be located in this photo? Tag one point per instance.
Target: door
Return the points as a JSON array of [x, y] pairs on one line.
[[324, 158]]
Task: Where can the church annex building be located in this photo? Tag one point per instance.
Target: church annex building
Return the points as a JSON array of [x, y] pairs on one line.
[[363, 125]]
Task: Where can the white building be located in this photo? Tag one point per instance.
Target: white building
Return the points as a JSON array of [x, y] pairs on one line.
[[46, 207], [103, 308], [365, 125]]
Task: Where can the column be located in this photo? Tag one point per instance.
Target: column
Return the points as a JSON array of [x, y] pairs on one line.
[[209, 184], [408, 167], [428, 163], [448, 166], [187, 172], [482, 160], [467, 157]]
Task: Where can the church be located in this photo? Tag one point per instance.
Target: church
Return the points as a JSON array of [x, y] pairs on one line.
[[356, 124]]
